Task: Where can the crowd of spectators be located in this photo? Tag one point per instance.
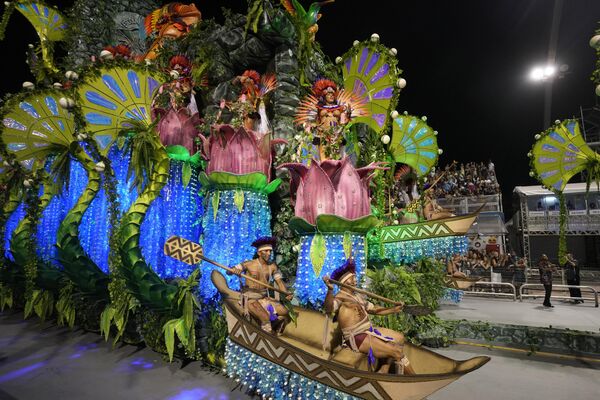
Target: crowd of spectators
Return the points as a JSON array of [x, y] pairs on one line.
[[477, 263], [470, 179]]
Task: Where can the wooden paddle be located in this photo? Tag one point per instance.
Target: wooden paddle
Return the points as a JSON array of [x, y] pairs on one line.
[[191, 253], [412, 309]]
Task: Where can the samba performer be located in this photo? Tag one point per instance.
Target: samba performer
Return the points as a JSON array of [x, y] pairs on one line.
[[255, 300], [358, 333], [326, 113]]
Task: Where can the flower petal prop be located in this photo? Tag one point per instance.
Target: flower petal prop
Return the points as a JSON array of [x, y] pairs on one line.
[[238, 151], [331, 188], [370, 72], [35, 126], [114, 96], [177, 127], [560, 153], [414, 143]]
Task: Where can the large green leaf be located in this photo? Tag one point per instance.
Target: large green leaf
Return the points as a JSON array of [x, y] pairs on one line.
[[369, 71], [318, 253], [35, 127], [327, 223], [414, 143], [48, 22], [115, 96], [560, 153]]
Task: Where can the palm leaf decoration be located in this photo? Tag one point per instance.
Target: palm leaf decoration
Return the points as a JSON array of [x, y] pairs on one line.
[[414, 143], [49, 24], [36, 127], [370, 72], [110, 100], [560, 153]]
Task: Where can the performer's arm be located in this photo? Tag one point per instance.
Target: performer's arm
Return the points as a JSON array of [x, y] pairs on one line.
[[384, 310], [238, 269], [328, 304], [279, 279]]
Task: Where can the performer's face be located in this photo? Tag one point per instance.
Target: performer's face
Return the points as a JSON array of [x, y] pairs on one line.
[[330, 96], [351, 281], [265, 255]]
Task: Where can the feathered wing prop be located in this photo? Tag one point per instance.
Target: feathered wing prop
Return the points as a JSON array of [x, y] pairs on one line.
[[560, 153], [36, 127], [414, 143], [117, 95], [371, 75]]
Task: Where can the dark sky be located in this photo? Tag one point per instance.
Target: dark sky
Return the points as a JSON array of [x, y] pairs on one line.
[[466, 63]]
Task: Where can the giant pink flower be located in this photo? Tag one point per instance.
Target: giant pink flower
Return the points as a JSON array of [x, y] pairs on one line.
[[332, 187], [177, 127], [238, 151]]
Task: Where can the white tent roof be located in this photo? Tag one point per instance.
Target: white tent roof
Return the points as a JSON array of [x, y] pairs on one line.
[[540, 191]]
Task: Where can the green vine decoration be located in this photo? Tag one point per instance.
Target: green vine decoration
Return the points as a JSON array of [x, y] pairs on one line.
[[8, 10], [65, 306]]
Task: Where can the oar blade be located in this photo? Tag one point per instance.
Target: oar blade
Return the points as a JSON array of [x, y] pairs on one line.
[[183, 250]]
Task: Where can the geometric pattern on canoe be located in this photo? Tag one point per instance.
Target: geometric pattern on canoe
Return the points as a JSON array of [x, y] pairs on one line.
[[310, 366], [400, 233]]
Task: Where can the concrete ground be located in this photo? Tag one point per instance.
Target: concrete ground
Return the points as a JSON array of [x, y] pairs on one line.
[[583, 317], [47, 362]]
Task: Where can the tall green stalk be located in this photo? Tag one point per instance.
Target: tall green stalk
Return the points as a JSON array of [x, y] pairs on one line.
[[143, 282], [89, 279]]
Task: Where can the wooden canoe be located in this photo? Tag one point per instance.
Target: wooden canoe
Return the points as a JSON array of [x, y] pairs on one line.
[[453, 226], [299, 349], [461, 283]]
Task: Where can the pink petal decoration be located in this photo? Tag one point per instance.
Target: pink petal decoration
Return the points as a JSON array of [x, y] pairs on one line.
[[316, 195], [177, 127]]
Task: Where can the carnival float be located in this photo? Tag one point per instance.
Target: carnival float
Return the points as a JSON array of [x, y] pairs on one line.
[[147, 166]]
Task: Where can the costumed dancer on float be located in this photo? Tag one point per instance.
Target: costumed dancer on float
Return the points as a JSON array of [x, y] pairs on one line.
[[353, 311], [255, 300], [325, 113], [254, 89]]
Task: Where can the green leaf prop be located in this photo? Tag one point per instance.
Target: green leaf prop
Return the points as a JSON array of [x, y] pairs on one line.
[[215, 203], [6, 297], [35, 126], [65, 306], [560, 153], [327, 223], [370, 71], [186, 174], [414, 143], [347, 244], [318, 253], [238, 200], [113, 98]]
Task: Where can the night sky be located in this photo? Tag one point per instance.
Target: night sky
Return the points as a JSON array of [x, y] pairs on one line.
[[466, 64]]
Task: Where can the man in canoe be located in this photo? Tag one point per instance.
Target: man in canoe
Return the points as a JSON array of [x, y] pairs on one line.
[[255, 300], [353, 318]]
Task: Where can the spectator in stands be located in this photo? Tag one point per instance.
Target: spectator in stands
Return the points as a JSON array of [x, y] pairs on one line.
[[572, 271], [546, 270]]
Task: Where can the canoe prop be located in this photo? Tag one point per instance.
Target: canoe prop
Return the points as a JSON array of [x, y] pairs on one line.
[[190, 253]]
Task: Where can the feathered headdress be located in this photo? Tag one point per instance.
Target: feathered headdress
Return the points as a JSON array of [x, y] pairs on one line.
[[344, 272], [252, 74], [264, 243], [184, 64], [321, 85]]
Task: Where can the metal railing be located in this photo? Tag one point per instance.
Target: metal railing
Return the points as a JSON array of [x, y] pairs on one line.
[[539, 285], [492, 284]]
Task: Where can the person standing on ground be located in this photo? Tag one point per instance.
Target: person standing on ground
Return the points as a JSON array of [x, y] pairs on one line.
[[546, 269], [572, 271]]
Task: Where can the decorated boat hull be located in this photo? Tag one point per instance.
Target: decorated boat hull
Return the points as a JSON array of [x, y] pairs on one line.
[[343, 369]]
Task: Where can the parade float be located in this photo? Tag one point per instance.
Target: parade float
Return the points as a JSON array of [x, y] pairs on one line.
[[164, 124]]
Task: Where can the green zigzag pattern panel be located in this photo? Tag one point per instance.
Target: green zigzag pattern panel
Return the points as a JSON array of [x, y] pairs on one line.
[[390, 234]]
